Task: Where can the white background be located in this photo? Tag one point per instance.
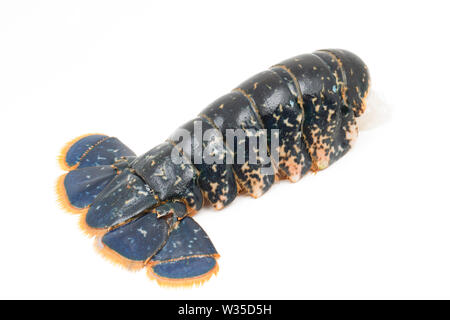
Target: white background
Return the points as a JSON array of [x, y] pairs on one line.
[[374, 225]]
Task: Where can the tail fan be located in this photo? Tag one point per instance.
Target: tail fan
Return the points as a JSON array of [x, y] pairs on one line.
[[78, 189], [188, 258], [92, 150], [115, 204], [89, 160], [140, 233]]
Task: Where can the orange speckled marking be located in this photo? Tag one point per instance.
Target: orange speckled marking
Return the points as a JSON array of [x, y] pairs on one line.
[[256, 184], [294, 168], [352, 134], [319, 151]]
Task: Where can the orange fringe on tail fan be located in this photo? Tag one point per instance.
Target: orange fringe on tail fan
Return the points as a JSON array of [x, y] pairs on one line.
[[87, 230], [116, 258], [184, 283], [62, 198], [62, 155]]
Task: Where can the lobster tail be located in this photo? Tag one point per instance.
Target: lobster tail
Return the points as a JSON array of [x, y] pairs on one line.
[[296, 117]]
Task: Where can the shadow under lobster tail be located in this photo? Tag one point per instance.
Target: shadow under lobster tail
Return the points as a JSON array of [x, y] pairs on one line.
[[92, 161], [187, 259]]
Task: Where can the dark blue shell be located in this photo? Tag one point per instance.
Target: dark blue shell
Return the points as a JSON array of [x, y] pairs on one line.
[[346, 116], [215, 179], [142, 203], [321, 103], [357, 79], [276, 97], [108, 151], [83, 185], [188, 239], [78, 149], [169, 180], [139, 239], [124, 198], [186, 268], [234, 111]]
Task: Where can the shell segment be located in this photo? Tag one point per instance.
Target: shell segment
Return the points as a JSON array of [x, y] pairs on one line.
[[94, 150], [123, 199], [163, 169], [233, 111], [321, 105], [206, 150], [347, 126], [176, 209], [357, 79], [278, 104]]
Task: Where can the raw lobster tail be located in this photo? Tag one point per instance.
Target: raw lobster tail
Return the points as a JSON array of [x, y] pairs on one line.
[[296, 117]]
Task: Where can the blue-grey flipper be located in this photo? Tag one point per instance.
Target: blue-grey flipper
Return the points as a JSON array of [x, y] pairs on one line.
[[78, 188], [124, 198], [93, 150], [176, 252], [92, 161], [188, 257], [132, 244]]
